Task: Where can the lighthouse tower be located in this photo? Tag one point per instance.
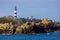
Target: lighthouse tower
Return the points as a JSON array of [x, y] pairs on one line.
[[15, 12]]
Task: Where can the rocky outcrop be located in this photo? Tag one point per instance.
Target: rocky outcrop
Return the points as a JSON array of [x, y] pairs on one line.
[[6, 28], [25, 28], [9, 25], [32, 27]]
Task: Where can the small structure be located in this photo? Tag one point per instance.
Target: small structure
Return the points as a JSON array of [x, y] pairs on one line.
[[31, 17]]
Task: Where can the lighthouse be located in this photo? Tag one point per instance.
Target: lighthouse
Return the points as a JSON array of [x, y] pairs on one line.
[[15, 12]]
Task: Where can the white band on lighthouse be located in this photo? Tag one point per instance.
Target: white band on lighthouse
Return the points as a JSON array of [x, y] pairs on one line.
[[15, 11], [15, 15]]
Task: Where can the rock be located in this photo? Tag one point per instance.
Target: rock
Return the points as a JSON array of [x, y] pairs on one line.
[[45, 21], [18, 30], [6, 27], [25, 28]]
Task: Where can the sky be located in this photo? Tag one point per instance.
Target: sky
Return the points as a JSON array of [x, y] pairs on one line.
[[37, 8]]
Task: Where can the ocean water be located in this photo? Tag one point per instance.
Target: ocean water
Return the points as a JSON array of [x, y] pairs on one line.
[[41, 36]]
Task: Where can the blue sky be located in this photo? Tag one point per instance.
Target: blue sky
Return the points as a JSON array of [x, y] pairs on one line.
[[36, 8]]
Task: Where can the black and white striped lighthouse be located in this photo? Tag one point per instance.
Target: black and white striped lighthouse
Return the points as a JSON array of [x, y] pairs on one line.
[[15, 12]]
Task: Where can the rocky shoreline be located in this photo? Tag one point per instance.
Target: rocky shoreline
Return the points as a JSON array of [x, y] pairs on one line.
[[26, 26]]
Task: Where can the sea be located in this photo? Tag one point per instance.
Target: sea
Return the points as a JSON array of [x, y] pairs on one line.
[[39, 36]]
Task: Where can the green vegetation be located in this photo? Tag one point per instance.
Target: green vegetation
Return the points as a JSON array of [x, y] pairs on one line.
[[8, 20]]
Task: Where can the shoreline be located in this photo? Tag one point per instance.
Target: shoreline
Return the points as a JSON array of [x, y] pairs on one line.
[[9, 25]]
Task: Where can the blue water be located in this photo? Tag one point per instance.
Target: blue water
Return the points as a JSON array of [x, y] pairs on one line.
[[41, 36]]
